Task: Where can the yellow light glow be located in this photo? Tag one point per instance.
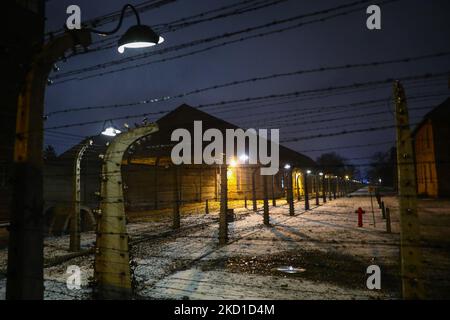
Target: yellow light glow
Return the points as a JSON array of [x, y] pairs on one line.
[[229, 173]]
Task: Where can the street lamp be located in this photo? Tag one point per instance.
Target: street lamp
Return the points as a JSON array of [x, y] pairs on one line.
[[110, 131], [137, 36]]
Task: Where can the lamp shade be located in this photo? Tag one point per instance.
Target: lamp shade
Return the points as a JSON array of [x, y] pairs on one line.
[[139, 36]]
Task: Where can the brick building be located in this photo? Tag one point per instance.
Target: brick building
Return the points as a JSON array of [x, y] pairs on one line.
[[432, 152]]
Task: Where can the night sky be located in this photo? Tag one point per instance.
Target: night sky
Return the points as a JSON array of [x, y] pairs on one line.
[[409, 28]]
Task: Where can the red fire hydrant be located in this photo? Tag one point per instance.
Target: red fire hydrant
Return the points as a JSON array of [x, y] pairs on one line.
[[360, 212]]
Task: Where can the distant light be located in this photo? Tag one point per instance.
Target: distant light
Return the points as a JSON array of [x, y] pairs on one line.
[[379, 180], [243, 158], [346, 177], [320, 173], [287, 166], [111, 132], [308, 171]]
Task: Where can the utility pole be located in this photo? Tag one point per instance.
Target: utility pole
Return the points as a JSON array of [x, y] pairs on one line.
[[223, 221], [26, 242], [410, 251]]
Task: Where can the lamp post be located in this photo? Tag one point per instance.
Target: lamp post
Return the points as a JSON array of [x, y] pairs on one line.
[[25, 249]]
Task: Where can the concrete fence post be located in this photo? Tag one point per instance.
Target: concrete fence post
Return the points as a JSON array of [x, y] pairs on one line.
[[324, 193], [335, 188], [330, 197], [290, 193], [305, 175], [317, 187], [176, 201], [112, 261], [266, 201], [255, 204], [274, 201], [388, 220], [223, 221]]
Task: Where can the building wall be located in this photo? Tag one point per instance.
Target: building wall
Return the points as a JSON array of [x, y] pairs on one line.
[[149, 187], [427, 183], [441, 134]]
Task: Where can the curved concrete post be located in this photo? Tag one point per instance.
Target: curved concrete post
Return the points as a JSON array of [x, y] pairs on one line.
[[112, 263], [76, 194], [26, 242]]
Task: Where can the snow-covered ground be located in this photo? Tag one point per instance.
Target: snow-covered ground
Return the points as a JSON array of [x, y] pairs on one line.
[[189, 264]]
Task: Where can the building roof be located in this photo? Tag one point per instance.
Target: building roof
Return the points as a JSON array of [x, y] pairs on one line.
[[159, 144], [441, 113]]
